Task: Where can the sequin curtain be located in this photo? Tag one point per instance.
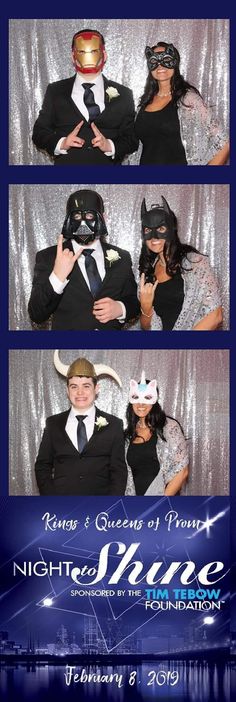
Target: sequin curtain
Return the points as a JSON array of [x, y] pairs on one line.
[[40, 53], [193, 387], [37, 213]]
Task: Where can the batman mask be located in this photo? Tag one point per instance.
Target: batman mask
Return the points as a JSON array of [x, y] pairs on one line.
[[155, 219], [169, 57], [84, 220]]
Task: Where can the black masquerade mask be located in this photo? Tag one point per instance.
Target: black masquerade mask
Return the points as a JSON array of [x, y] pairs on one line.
[[84, 220], [167, 58], [152, 220]]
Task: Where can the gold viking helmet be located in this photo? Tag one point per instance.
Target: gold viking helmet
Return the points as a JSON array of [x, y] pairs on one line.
[[83, 367]]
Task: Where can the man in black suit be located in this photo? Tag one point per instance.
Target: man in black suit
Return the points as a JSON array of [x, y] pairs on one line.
[[82, 449], [86, 119], [84, 282]]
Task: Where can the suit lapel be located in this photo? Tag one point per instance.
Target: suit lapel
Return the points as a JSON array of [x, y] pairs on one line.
[[76, 273], [62, 429], [97, 428], [67, 92], [115, 99], [106, 96], [109, 267], [108, 101], [68, 87]]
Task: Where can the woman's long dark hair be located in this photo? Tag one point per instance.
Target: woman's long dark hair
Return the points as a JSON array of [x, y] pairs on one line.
[[155, 420], [174, 253], [179, 86]]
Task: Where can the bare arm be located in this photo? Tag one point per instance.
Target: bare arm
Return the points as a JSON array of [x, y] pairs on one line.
[[211, 321], [146, 322], [217, 137], [221, 157], [175, 485], [147, 292]]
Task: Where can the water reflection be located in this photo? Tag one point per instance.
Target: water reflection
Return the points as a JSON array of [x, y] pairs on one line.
[[196, 682]]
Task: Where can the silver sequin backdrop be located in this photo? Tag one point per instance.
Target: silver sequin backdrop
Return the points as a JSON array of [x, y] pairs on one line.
[[193, 387], [37, 213], [40, 53]]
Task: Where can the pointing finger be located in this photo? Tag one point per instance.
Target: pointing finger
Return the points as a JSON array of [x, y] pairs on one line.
[[95, 129], [142, 280], [78, 127], [59, 243]]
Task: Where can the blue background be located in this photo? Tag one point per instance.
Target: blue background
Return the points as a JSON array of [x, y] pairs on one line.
[[24, 174]]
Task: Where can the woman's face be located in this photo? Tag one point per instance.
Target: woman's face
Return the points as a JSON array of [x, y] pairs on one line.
[[161, 73], [141, 409], [156, 245]]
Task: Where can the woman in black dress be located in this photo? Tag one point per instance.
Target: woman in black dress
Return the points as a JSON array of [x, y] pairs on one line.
[[178, 289], [173, 123], [157, 456]]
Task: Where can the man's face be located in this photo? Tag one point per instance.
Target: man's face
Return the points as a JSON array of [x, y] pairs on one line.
[[88, 53], [81, 392]]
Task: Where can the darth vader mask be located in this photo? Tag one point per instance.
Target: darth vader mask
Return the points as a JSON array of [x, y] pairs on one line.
[[169, 57], [84, 220], [158, 222]]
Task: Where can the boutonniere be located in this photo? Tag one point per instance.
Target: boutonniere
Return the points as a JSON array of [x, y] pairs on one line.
[[112, 256], [112, 93], [101, 422]]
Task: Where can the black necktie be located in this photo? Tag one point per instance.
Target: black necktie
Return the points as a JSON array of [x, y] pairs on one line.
[[81, 432], [92, 107], [95, 280]]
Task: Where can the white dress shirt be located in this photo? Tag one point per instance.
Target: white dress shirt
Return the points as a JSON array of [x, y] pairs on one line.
[[72, 423], [98, 255], [78, 98], [97, 89]]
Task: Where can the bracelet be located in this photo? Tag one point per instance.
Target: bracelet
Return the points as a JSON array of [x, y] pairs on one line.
[[147, 315]]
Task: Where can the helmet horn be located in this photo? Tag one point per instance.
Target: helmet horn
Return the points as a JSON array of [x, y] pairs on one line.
[[100, 368]]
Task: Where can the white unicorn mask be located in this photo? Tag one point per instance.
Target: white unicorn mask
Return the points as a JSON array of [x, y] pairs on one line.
[[143, 393]]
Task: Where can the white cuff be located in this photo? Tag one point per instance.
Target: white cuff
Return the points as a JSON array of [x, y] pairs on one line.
[[122, 317], [113, 151], [57, 284], [58, 150]]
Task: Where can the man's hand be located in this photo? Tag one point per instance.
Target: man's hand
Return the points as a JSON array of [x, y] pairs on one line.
[[106, 309], [65, 260], [147, 292], [99, 140], [72, 139]]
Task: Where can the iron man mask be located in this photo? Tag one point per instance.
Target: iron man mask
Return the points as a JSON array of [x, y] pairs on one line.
[[88, 53]]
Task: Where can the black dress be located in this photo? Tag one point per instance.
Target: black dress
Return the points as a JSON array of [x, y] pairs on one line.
[[159, 133], [143, 461], [168, 300]]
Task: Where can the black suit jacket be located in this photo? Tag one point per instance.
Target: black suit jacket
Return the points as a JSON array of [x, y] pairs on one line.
[[73, 308], [99, 470], [59, 116]]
